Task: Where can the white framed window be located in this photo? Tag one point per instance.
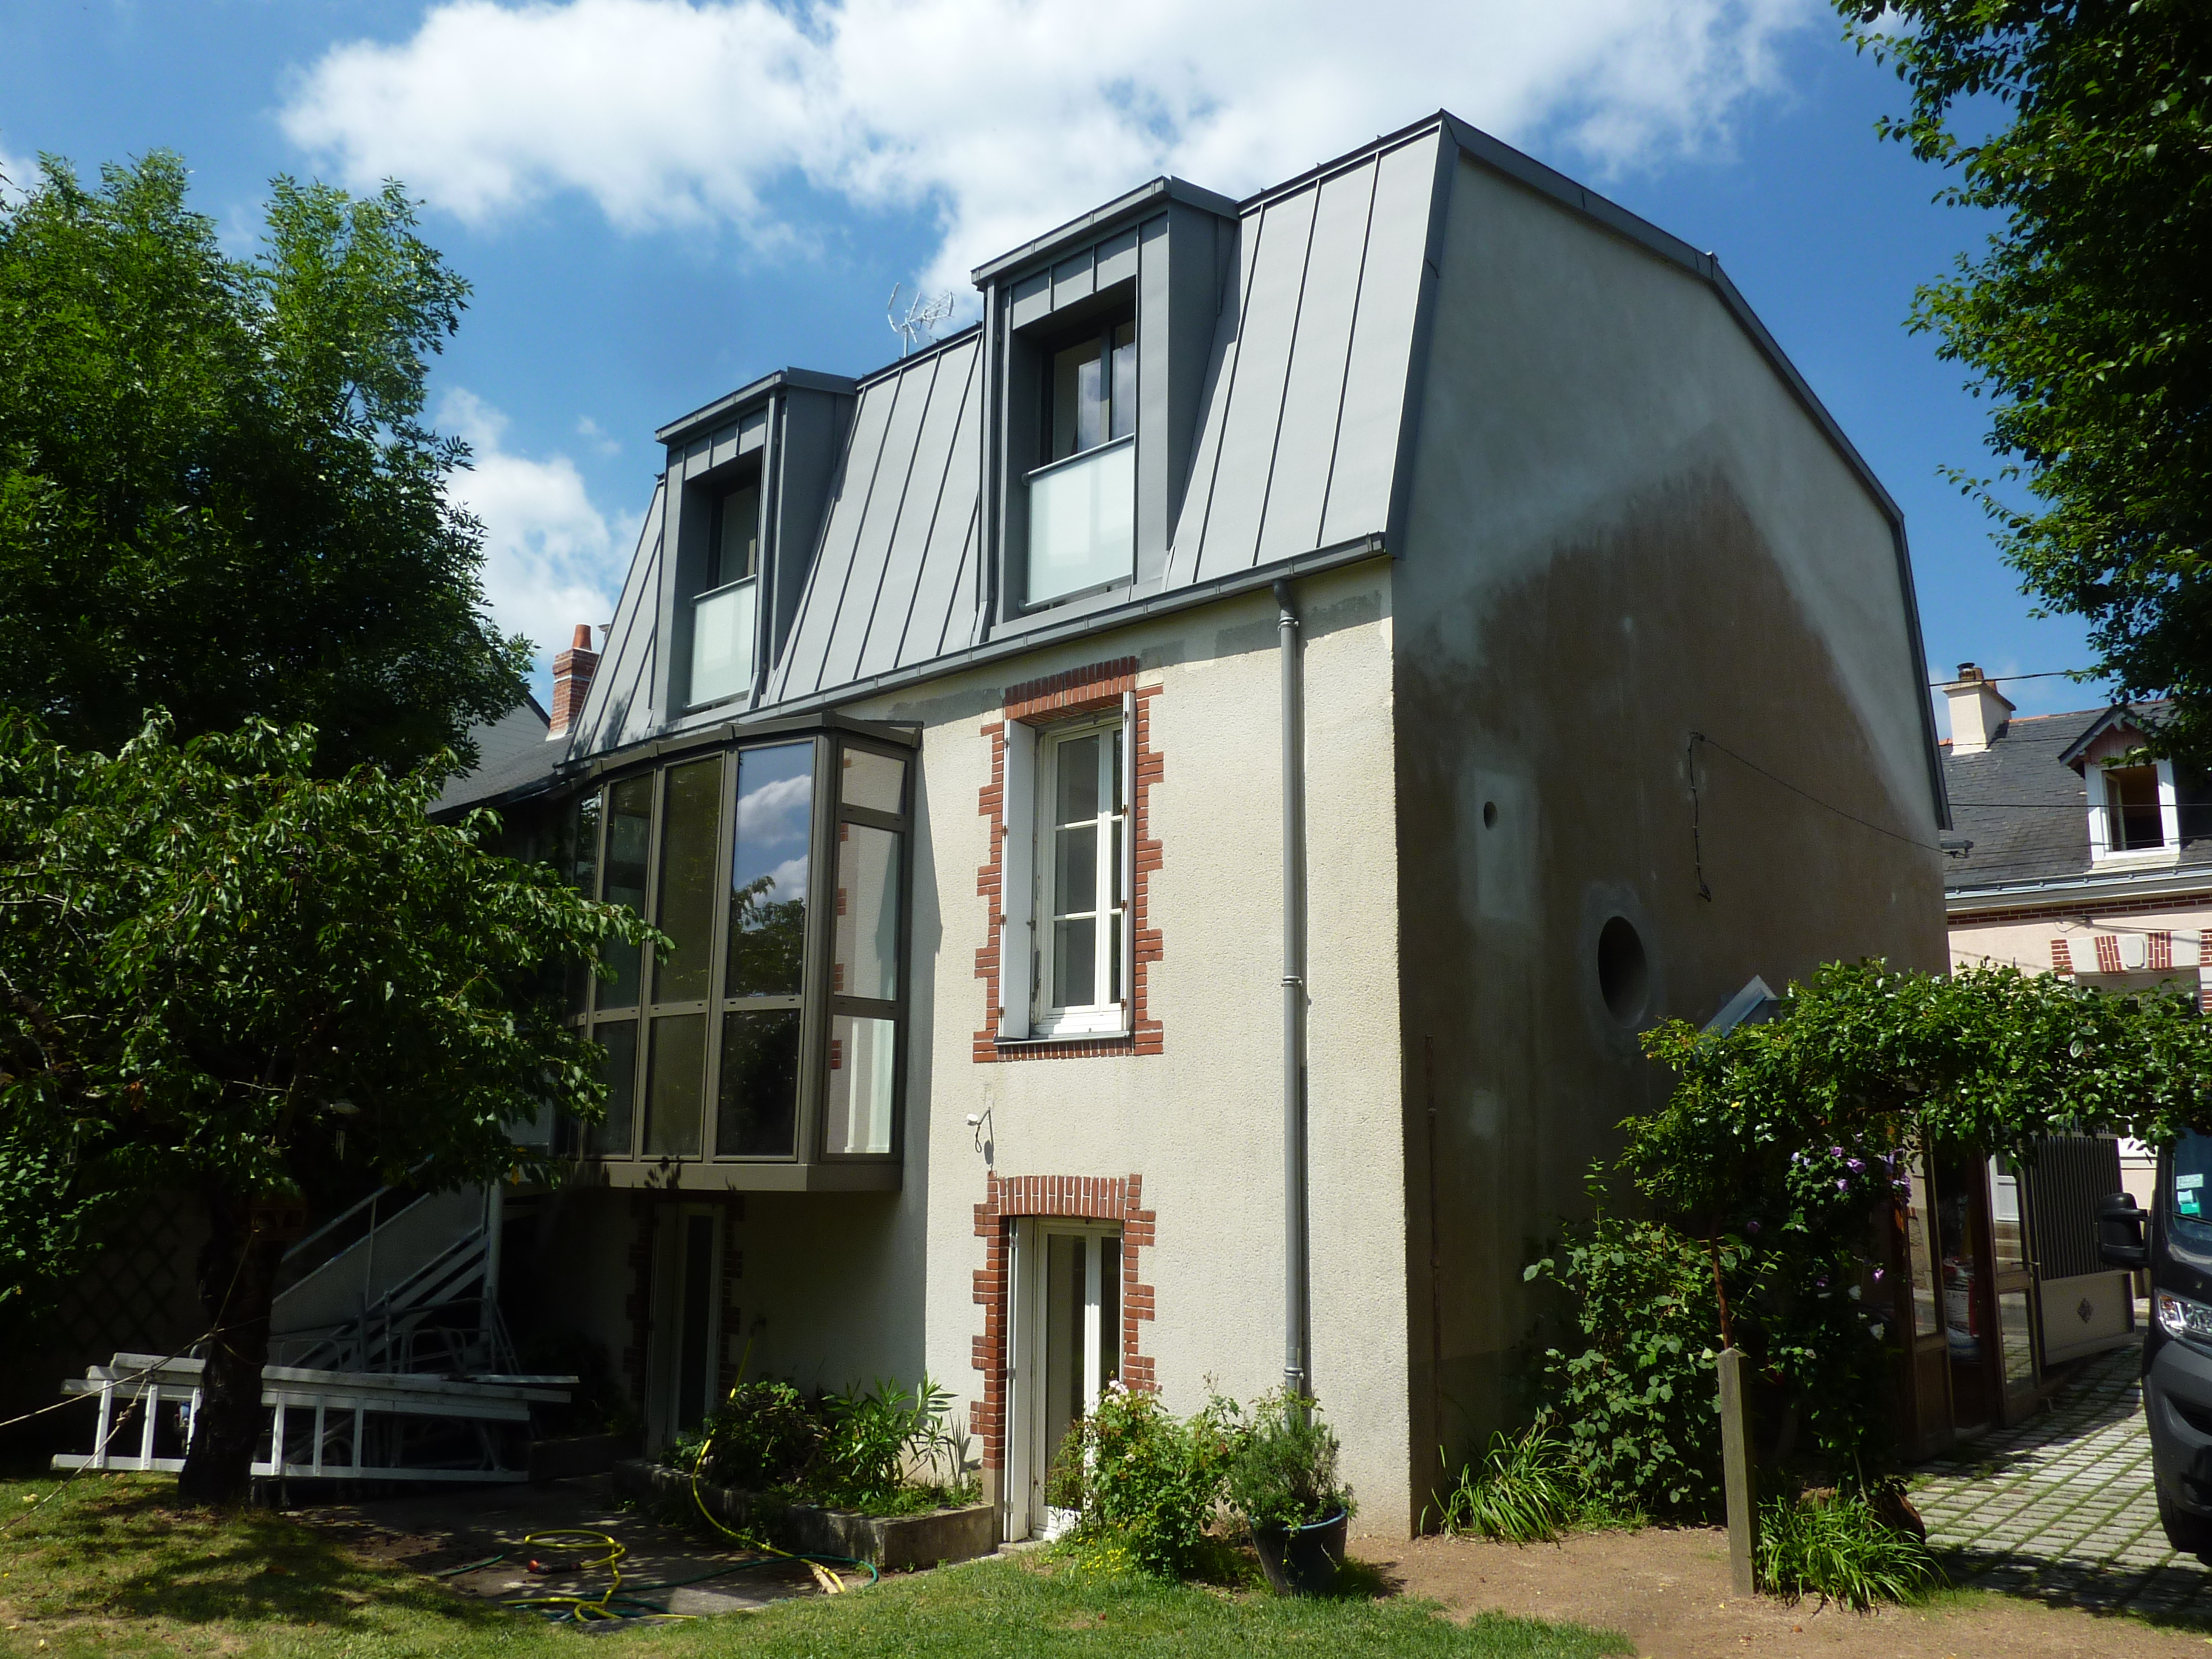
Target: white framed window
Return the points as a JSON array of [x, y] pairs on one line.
[[1065, 953], [2138, 819]]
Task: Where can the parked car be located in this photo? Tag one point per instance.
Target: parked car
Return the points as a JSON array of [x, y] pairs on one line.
[[2174, 1240]]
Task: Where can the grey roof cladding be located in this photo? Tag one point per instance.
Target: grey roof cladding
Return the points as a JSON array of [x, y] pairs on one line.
[[514, 759], [617, 708], [1306, 398], [2025, 809]]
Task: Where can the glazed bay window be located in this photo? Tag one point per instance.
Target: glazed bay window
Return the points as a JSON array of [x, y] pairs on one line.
[[768, 1033], [1068, 879], [1083, 500], [725, 614]]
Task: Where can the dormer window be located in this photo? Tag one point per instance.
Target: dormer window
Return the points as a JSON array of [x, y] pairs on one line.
[[2132, 794], [1083, 500], [725, 613]]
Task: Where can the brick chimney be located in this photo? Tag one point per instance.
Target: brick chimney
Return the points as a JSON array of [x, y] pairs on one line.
[[1979, 711], [572, 678]]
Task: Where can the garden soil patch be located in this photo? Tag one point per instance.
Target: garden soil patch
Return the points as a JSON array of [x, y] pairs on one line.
[[1668, 1590]]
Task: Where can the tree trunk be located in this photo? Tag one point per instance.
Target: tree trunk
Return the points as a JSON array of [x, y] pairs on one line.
[[238, 1283]]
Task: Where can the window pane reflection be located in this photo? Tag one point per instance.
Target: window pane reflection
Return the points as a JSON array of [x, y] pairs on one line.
[[2018, 1341], [676, 1087], [618, 1071], [768, 870], [2007, 1231], [862, 1055], [578, 860], [758, 1112], [867, 912], [1924, 1320], [689, 837], [875, 782], [629, 834]]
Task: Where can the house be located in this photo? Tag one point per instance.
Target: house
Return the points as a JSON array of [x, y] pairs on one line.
[[2083, 858], [1176, 803]]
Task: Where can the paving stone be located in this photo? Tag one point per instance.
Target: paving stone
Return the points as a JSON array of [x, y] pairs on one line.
[[2061, 1506]]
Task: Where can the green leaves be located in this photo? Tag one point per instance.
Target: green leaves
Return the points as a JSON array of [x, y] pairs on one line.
[[207, 950], [216, 491], [2085, 319]]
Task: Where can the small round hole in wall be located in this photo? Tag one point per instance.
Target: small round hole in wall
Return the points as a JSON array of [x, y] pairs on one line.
[[1623, 972], [1490, 815]]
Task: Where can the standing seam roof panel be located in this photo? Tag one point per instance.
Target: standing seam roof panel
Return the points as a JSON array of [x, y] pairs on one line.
[[1313, 397], [1382, 344], [877, 544], [913, 540], [938, 596], [805, 659], [1206, 458], [627, 650], [1255, 416]]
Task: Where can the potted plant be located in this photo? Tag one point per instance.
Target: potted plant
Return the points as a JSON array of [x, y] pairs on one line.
[[1283, 1481]]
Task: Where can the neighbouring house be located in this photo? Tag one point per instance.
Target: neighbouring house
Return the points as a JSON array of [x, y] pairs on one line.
[[1174, 805], [2083, 858]]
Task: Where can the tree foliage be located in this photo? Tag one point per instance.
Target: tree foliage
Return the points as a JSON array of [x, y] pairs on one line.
[[2085, 319], [218, 493], [1772, 1175], [223, 974]]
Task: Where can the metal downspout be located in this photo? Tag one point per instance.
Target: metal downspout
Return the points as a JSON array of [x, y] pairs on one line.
[[1296, 1288]]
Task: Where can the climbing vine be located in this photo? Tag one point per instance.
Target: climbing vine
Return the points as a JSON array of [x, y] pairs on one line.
[[1768, 1188]]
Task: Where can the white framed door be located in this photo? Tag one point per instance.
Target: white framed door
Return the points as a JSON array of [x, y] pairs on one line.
[[686, 1335], [1065, 1345]]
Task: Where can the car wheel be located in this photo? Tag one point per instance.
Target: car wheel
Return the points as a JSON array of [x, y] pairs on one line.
[[2191, 1535]]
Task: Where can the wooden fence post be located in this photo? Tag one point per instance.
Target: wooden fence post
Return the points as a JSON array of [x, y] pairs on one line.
[[1738, 1474]]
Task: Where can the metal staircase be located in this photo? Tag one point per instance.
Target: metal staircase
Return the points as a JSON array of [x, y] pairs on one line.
[[387, 1358], [397, 1284]]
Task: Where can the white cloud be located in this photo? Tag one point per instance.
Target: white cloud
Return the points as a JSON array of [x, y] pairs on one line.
[[596, 435], [1004, 117], [551, 558], [17, 174]]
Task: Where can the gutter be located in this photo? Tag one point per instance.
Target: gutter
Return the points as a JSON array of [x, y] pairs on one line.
[[2067, 890], [1297, 1289]]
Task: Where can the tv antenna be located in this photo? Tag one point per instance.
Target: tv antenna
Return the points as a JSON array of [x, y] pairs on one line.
[[922, 316]]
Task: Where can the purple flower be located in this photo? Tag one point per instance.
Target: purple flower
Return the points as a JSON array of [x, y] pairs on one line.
[[1856, 1167], [1877, 1275], [1842, 1185], [1752, 1227], [1835, 1152]]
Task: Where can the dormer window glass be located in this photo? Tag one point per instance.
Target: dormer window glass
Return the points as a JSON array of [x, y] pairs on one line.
[[725, 614], [2132, 791], [1083, 500], [736, 536], [1094, 390]]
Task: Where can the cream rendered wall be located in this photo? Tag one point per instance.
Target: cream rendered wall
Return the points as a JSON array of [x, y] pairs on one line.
[[1201, 1122]]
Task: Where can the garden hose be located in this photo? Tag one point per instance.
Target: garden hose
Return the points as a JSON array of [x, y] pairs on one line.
[[583, 1609], [831, 1583]]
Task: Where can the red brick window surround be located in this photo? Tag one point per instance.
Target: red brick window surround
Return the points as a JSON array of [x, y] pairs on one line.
[[1088, 1198], [1095, 688]]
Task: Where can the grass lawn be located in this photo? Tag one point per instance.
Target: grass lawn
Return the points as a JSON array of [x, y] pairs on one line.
[[108, 1568]]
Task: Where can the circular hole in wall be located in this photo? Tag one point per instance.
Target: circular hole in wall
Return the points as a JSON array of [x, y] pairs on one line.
[[1490, 815], [1623, 972]]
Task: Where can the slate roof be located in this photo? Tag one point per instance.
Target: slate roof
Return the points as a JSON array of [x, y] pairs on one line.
[[514, 759], [2027, 811]]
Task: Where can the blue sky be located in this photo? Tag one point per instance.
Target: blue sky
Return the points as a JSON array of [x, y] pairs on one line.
[[658, 200]]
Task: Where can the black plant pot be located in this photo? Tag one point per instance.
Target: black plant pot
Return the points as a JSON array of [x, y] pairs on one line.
[[1302, 1560]]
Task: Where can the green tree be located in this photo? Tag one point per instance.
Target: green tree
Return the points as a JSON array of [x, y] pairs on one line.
[[224, 973], [217, 495], [2086, 125]]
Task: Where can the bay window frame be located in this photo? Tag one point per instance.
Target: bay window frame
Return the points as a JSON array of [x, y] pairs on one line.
[[809, 1164]]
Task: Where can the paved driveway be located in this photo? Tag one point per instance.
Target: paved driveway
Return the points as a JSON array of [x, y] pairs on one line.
[[2061, 1507]]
